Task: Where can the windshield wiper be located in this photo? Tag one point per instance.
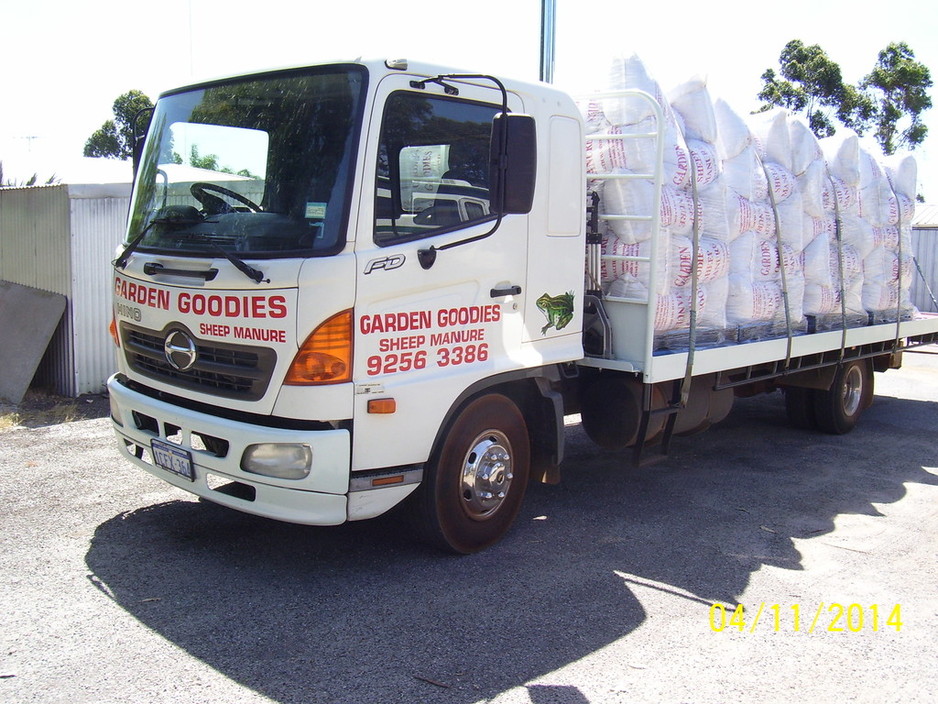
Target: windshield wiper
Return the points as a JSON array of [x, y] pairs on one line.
[[177, 219], [256, 275], [121, 261], [169, 216]]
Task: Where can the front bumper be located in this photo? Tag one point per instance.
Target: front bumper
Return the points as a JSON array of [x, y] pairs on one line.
[[319, 499]]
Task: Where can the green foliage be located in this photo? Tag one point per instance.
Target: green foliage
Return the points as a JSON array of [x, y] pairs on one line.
[[31, 181], [105, 142], [895, 92], [899, 84], [115, 138], [210, 162]]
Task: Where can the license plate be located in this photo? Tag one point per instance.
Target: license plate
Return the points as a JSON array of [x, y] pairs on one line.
[[172, 458]]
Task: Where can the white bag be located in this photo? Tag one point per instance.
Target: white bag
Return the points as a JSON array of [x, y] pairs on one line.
[[839, 196], [812, 183], [691, 100], [672, 310], [791, 223], [744, 174], [902, 173], [842, 153], [733, 132], [604, 156], [705, 161], [630, 73], [753, 301], [781, 180], [771, 136], [713, 261], [805, 149]]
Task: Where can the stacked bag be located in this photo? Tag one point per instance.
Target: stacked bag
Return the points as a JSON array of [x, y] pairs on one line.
[[690, 163], [791, 234], [888, 268]]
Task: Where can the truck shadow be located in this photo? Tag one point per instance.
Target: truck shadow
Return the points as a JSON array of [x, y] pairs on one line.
[[360, 613]]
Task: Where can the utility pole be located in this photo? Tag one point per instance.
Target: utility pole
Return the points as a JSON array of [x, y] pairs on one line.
[[548, 31]]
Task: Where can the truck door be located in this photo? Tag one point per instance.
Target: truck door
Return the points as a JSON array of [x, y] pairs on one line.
[[430, 323]]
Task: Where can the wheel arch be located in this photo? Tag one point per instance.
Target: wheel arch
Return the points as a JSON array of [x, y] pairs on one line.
[[538, 396]]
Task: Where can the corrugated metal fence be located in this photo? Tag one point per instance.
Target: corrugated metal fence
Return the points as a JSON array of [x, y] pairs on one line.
[[925, 275], [925, 246], [61, 239]]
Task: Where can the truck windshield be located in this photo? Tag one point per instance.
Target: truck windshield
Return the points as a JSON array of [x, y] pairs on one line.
[[259, 166]]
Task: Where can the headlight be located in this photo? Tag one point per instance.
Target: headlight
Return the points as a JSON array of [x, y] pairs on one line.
[[284, 461]]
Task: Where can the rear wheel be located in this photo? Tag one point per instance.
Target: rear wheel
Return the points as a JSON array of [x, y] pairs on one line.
[[838, 409], [476, 481]]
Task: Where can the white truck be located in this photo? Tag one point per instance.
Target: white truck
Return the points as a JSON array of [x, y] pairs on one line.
[[379, 296]]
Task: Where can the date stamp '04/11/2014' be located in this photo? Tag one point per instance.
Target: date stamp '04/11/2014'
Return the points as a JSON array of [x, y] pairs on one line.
[[831, 618]]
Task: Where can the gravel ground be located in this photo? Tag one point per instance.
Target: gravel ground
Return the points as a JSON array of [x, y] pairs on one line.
[[116, 587], [40, 408]]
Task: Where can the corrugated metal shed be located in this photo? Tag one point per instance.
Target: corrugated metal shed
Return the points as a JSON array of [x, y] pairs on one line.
[[926, 215], [62, 238], [925, 245]]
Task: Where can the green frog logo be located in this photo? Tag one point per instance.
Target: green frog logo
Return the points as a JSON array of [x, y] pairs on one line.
[[557, 309]]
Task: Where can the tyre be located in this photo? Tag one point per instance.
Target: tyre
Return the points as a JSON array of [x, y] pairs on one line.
[[838, 409], [475, 481], [799, 407]]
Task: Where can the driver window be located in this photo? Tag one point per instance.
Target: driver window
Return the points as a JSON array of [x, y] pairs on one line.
[[433, 167]]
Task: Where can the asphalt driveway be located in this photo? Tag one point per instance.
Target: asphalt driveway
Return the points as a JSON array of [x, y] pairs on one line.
[[115, 587]]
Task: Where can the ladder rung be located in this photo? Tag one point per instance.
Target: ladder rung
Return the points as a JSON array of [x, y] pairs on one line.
[[632, 218], [594, 177], [623, 135], [624, 258], [620, 299]]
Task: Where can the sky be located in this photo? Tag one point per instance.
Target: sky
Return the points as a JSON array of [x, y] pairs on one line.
[[65, 61]]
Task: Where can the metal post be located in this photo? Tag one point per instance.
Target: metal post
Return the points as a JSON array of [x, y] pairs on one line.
[[548, 40]]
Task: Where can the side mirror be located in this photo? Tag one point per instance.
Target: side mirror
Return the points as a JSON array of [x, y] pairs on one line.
[[512, 164]]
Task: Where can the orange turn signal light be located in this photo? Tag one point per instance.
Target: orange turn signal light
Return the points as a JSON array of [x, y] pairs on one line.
[[382, 405], [326, 356]]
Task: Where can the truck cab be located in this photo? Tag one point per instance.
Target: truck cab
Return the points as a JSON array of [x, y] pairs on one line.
[[345, 284]]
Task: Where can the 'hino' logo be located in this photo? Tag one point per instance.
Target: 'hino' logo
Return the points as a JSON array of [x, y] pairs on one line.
[[180, 350]]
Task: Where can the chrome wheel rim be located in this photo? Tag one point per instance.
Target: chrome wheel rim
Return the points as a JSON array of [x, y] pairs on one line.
[[852, 390], [486, 475]]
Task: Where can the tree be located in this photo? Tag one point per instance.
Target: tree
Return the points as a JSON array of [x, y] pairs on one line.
[[899, 84], [209, 161], [811, 83], [115, 138]]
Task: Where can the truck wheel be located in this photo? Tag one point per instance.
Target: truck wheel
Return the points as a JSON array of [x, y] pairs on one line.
[[838, 409], [475, 482], [799, 407]]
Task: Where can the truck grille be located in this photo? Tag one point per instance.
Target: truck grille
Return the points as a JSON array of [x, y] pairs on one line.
[[230, 371]]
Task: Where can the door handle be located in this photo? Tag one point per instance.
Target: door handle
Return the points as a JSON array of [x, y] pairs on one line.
[[507, 291]]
